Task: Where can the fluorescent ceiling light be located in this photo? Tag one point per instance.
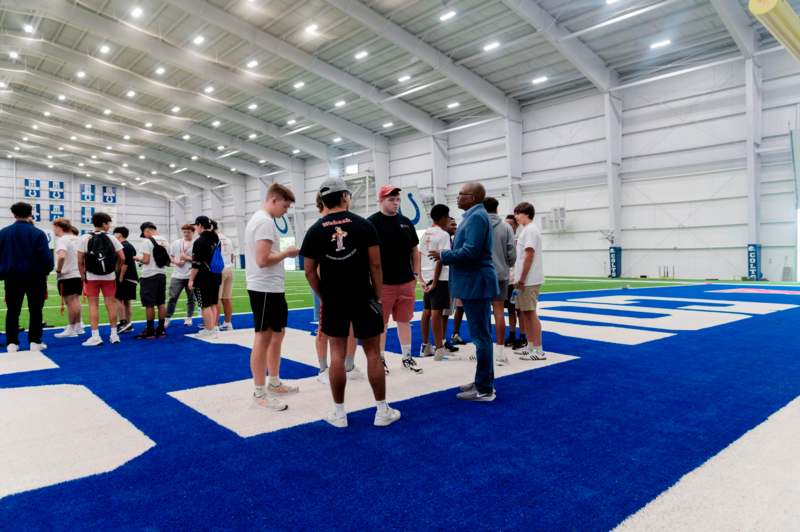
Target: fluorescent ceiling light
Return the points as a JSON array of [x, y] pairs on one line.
[[186, 137], [94, 156], [362, 54], [148, 125], [81, 165], [87, 126], [27, 28], [35, 126], [130, 94], [340, 103], [299, 84], [312, 29], [160, 71], [252, 135], [540, 79], [108, 148], [61, 97], [209, 89], [660, 44], [387, 125], [215, 123], [199, 40], [46, 113], [447, 16], [13, 54], [73, 138], [252, 63], [104, 49], [403, 79], [61, 148], [111, 171], [80, 74], [253, 106], [262, 161], [127, 137], [491, 46], [194, 157], [49, 156], [106, 112], [295, 151], [233, 169], [176, 109], [220, 147], [453, 105], [124, 165], [337, 139], [16, 148], [609, 2], [291, 122], [136, 12], [153, 172], [142, 157], [49, 165]]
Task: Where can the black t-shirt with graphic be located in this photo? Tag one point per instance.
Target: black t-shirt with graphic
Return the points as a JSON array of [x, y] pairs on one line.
[[339, 242], [398, 237], [130, 273]]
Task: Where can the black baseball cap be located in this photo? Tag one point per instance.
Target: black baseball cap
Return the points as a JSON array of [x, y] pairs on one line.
[[147, 225], [205, 221]]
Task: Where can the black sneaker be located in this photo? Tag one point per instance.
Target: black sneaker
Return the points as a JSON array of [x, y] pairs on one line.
[[385, 367], [450, 347], [411, 365], [125, 327], [147, 334], [457, 340], [161, 332], [511, 340], [519, 343]]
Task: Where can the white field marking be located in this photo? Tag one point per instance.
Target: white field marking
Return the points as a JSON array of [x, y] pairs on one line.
[[750, 485], [669, 319], [52, 434], [230, 404], [714, 305], [23, 361]]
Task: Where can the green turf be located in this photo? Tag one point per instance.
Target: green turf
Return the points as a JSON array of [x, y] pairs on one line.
[[298, 294]]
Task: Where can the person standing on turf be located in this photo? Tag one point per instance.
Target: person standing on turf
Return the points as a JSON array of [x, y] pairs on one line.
[[206, 275], [512, 341], [266, 287], [346, 248], [226, 288], [503, 256], [400, 262], [473, 280], [181, 255], [100, 259], [528, 279], [25, 262], [127, 280], [70, 286], [154, 258], [435, 276]]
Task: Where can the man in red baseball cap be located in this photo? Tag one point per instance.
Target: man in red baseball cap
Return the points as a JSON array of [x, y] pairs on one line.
[[400, 260]]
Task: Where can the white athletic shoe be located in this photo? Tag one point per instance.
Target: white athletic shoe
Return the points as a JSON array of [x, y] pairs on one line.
[[93, 341], [425, 350], [12, 348], [226, 327], [38, 347], [282, 389], [68, 332], [114, 338], [187, 322], [216, 329], [355, 374], [337, 420], [206, 333], [78, 329], [502, 360], [532, 354], [387, 417], [323, 377], [440, 354], [269, 403]]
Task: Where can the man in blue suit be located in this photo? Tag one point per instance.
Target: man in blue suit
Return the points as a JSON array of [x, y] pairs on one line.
[[474, 281]]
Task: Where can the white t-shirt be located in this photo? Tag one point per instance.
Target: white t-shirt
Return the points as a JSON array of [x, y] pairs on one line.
[[269, 278], [146, 248], [84, 246], [527, 238], [69, 245], [227, 249], [181, 246], [434, 239]]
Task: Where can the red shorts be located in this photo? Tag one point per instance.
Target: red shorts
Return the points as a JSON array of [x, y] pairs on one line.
[[93, 288], [398, 300]]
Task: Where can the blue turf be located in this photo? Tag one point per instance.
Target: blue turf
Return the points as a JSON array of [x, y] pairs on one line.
[[575, 446]]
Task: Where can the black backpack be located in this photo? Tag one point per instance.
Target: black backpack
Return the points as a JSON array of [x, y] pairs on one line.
[[160, 254], [101, 258]]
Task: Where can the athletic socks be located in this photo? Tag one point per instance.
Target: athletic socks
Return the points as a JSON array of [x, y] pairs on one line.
[[259, 391], [381, 405], [339, 409], [349, 363], [95, 333], [406, 350], [274, 381]]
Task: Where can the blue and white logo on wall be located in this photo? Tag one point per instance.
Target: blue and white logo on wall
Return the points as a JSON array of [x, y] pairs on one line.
[[56, 189], [33, 188], [754, 262], [87, 192], [109, 194], [37, 212], [56, 211], [86, 215]]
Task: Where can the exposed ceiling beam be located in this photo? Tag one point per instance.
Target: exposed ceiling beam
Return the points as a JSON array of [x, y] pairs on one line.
[[485, 92], [738, 23], [77, 16], [234, 25], [142, 85], [574, 50]]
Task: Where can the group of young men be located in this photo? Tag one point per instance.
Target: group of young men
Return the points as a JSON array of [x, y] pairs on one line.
[[103, 262]]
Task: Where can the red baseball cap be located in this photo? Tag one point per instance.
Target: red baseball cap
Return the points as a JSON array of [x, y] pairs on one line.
[[387, 190]]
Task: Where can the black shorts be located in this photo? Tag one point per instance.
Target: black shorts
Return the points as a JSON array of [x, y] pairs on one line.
[[270, 311], [154, 290], [126, 290], [70, 287], [338, 313], [206, 288], [438, 298]]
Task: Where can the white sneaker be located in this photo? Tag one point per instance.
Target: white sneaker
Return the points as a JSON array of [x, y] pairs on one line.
[[78, 330], [323, 377], [502, 360], [205, 333], [337, 420], [226, 327], [425, 350], [355, 374], [269, 403], [282, 389], [532, 354], [114, 338], [93, 341], [12, 348], [68, 332], [38, 347], [440, 354], [387, 417], [215, 329], [187, 322]]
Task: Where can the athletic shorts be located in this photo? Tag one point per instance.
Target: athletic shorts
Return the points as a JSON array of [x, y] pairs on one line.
[[226, 288], [153, 290], [528, 298], [126, 290], [206, 288], [94, 288], [365, 315], [270, 311], [398, 301], [503, 293], [70, 287], [438, 298]]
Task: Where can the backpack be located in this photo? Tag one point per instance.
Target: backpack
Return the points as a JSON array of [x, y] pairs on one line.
[[101, 258], [160, 254], [217, 264]]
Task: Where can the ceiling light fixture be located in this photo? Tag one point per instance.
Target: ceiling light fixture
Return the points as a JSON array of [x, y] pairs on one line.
[[106, 112], [453, 105], [27, 28], [36, 126], [361, 55], [291, 122], [220, 147], [160, 71], [252, 63], [253, 106], [209, 89], [403, 79], [299, 85], [172, 165], [130, 94], [46, 113], [61, 97], [16, 148], [94, 156], [142, 157], [194, 157], [295, 151], [262, 161], [215, 123], [49, 156], [337, 139], [109, 148], [153, 172], [24, 139], [252, 135], [105, 49], [340, 103], [81, 165], [447, 16], [312, 29], [61, 148], [80, 74], [72, 138], [50, 166], [88, 126], [136, 12], [111, 172], [148, 125], [387, 125], [176, 109], [660, 44], [491, 46], [199, 40], [124, 165], [186, 137], [539, 80], [127, 137], [13, 54]]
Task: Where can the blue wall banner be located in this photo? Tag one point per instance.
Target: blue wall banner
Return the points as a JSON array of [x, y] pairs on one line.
[[86, 214], [56, 189], [37, 212], [87, 192], [754, 262], [56, 211], [33, 188], [109, 194], [615, 261]]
